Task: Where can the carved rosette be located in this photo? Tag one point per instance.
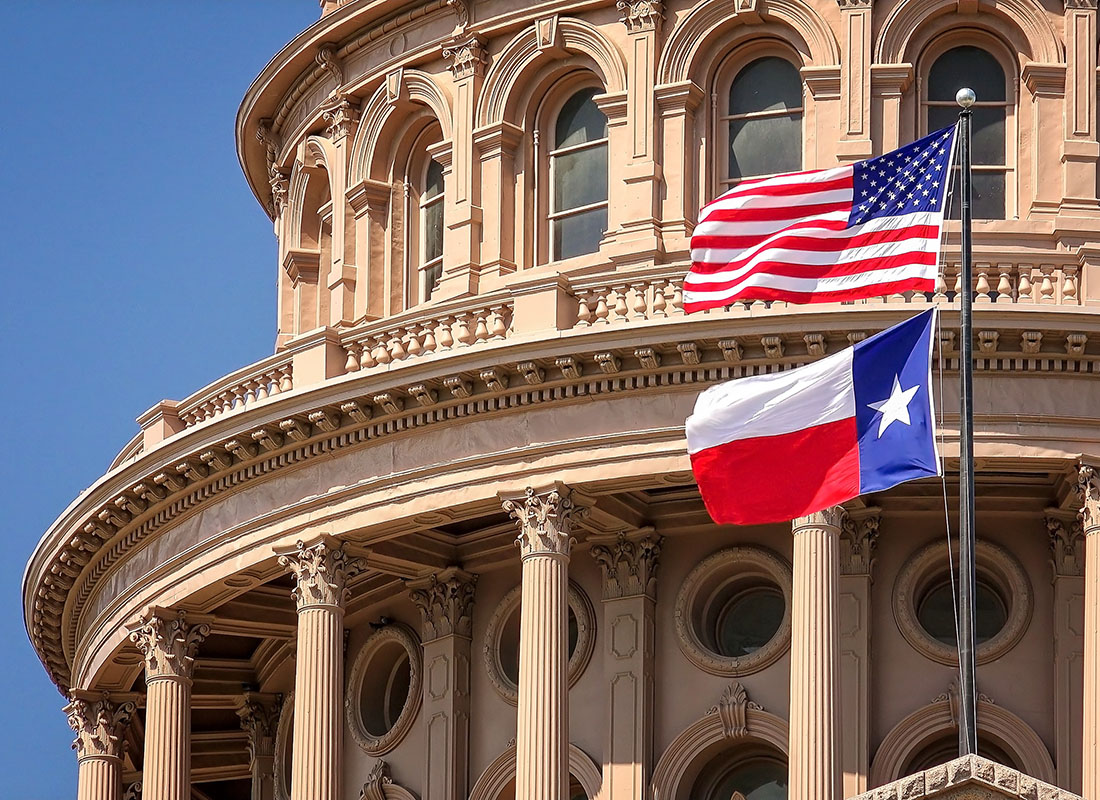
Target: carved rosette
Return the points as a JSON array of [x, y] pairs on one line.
[[733, 710], [629, 563], [168, 643], [446, 603], [260, 719], [858, 539], [545, 522], [1088, 485], [641, 15], [321, 573], [831, 517], [1067, 544], [467, 57], [100, 726]]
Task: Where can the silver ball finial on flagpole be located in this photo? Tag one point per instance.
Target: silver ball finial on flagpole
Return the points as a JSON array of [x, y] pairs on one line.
[[965, 97]]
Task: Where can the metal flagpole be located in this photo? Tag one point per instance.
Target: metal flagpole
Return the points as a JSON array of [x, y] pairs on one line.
[[968, 712]]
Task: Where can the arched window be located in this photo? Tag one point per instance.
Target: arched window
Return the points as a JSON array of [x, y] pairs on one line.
[[750, 772], [945, 749], [578, 177], [972, 66], [431, 230], [762, 123]]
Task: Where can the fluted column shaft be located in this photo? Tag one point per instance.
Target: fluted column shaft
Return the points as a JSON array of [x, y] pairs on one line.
[[1090, 732], [99, 725], [166, 774], [169, 641], [815, 659], [322, 570], [542, 725]]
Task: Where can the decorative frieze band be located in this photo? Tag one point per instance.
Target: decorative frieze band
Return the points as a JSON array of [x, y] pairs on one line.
[[545, 521], [321, 571], [446, 603], [100, 725], [169, 642], [629, 562]]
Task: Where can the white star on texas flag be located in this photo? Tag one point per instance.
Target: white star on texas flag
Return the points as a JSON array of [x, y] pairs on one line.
[[894, 407]]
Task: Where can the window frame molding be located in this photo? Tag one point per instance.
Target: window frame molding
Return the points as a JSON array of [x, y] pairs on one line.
[[725, 72], [427, 145], [984, 39]]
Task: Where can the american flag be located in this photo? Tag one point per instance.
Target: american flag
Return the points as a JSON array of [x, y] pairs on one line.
[[863, 230]]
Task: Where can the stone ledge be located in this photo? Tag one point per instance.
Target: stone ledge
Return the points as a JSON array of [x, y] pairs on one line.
[[969, 772]]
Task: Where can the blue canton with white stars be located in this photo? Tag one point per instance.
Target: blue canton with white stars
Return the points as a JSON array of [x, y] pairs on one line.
[[910, 179]]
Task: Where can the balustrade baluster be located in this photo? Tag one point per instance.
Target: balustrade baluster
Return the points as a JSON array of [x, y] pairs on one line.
[[1024, 293], [660, 302], [1046, 287], [601, 307], [352, 362], [497, 328], [446, 337], [983, 285], [463, 334], [412, 342], [1069, 286], [1004, 284], [584, 311], [286, 379], [640, 305], [427, 337]]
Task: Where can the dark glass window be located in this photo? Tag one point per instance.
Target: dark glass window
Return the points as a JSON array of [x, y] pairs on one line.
[[578, 178], [936, 612], [753, 779], [431, 228], [749, 620], [973, 67], [764, 120]]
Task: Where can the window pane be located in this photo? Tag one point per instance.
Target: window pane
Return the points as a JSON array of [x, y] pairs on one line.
[[759, 779], [988, 190], [987, 131], [764, 146], [579, 234], [767, 84], [433, 231], [580, 178], [966, 66], [431, 279], [580, 121], [433, 185]]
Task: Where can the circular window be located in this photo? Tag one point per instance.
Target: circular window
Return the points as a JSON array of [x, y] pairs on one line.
[[502, 641], [284, 749], [384, 689], [924, 606], [733, 611]]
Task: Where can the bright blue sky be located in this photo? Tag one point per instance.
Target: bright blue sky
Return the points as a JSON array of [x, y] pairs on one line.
[[136, 266]]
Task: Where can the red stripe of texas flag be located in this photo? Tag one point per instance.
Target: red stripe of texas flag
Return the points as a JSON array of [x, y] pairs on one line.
[[779, 478]]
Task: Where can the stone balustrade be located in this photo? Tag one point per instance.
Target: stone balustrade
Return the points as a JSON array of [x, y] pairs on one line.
[[239, 390]]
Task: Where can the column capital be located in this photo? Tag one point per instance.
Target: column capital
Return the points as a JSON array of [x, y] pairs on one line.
[[858, 539], [641, 15], [1088, 486], [446, 601], [169, 641], [545, 520], [466, 56], [831, 517], [1067, 542], [321, 571], [99, 723], [341, 116], [259, 714], [629, 561]]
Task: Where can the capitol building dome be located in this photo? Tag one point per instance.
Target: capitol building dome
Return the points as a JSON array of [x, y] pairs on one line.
[[444, 543]]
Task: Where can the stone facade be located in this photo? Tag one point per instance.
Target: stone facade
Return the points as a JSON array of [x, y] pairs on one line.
[[444, 543]]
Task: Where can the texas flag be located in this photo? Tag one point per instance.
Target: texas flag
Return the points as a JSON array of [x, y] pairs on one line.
[[774, 447]]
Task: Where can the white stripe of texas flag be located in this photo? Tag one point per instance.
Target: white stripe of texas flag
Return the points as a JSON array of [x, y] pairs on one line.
[[770, 405]]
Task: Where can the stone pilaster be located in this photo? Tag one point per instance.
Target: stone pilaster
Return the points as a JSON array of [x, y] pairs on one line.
[[1089, 484], [629, 563], [446, 604], [1080, 149], [855, 84], [259, 715], [169, 641], [815, 772], [100, 725], [857, 544], [321, 570], [545, 521], [1067, 544]]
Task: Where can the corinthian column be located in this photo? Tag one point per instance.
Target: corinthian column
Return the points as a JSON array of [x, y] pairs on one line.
[[446, 601], [321, 570], [169, 641], [99, 726], [815, 658], [545, 523], [1089, 478], [259, 717]]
